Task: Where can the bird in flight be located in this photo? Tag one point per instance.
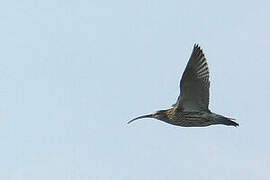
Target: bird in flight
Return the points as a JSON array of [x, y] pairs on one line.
[[191, 108]]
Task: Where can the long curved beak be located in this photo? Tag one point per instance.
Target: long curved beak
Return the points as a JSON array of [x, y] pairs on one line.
[[140, 117]]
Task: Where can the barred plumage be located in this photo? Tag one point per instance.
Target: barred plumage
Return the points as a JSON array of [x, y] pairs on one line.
[[191, 107]]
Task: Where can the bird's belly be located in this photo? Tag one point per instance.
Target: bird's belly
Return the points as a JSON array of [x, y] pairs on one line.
[[192, 119]]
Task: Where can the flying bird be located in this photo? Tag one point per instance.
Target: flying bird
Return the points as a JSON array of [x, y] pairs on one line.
[[191, 108]]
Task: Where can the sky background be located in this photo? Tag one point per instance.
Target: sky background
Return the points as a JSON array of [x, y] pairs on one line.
[[73, 72]]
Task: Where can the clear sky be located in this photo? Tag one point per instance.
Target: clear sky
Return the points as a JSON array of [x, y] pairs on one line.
[[73, 72]]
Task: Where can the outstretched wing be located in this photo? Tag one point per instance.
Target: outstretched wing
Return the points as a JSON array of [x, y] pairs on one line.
[[194, 85]]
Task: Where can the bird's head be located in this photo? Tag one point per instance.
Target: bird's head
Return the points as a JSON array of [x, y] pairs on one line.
[[160, 115]]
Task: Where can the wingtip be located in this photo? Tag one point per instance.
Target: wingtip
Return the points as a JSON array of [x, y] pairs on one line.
[[197, 48], [196, 45]]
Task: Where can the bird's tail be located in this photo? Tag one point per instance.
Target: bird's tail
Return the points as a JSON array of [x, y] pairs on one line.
[[229, 122]]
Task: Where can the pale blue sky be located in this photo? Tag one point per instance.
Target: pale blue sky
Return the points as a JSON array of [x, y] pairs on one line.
[[72, 73]]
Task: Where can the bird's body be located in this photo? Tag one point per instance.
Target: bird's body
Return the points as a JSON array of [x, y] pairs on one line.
[[191, 108], [196, 118]]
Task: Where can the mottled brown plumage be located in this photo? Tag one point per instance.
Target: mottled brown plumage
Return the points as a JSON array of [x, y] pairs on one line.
[[191, 107]]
